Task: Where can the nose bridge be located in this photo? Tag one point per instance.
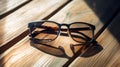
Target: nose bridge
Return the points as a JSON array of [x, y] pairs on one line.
[[64, 30], [64, 25]]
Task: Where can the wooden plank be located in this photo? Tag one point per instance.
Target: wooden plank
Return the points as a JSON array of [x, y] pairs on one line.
[[26, 55], [8, 5], [16, 23], [114, 46], [110, 55]]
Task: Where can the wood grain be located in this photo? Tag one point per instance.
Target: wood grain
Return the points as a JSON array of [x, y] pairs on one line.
[[22, 54], [8, 5], [16, 23], [109, 56], [114, 30]]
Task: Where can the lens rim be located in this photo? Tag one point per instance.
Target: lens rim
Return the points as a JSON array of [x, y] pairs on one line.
[[37, 25], [92, 28]]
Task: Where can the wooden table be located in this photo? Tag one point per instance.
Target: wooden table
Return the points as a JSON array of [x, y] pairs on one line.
[[15, 48]]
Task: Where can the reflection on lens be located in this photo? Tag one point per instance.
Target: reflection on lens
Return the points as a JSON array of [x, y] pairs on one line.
[[80, 32], [47, 31]]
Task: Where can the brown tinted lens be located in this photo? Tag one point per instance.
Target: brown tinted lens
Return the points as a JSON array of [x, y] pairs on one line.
[[47, 31], [81, 32]]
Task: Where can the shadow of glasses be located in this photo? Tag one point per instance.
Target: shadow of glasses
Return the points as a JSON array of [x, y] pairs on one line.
[[41, 36], [55, 51], [92, 47], [88, 49]]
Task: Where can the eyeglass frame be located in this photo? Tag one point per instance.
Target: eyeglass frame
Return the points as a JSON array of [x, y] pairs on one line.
[[33, 25]]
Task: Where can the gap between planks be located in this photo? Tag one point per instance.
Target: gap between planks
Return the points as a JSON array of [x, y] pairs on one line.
[[110, 40], [107, 23], [25, 33], [69, 15], [14, 9]]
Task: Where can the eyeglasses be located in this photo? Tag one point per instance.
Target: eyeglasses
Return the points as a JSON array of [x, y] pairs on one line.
[[44, 31], [47, 31]]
